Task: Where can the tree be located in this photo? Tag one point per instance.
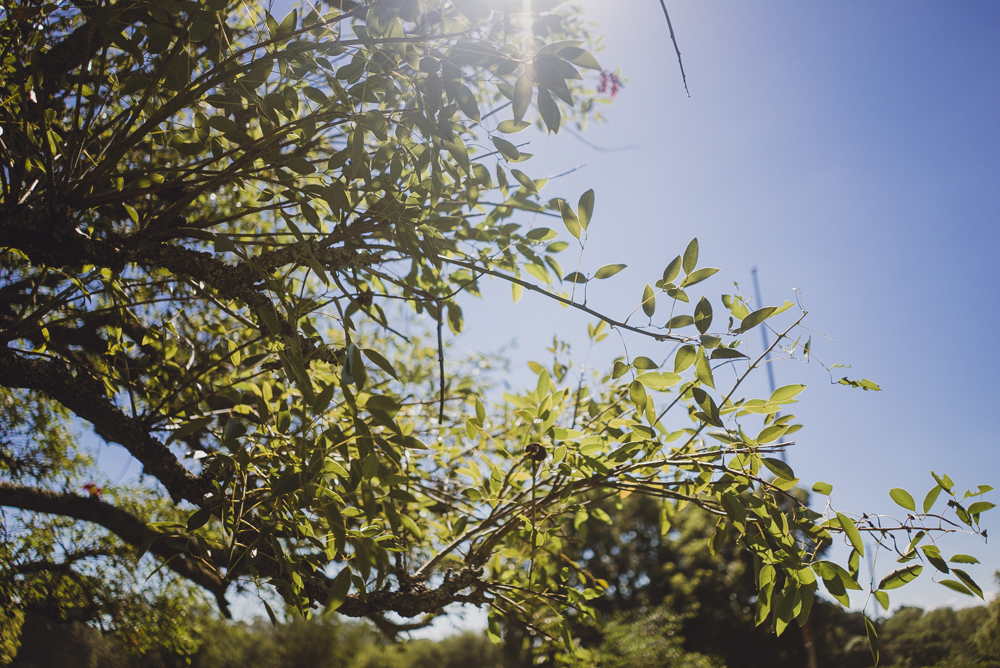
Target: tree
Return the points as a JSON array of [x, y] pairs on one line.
[[217, 228]]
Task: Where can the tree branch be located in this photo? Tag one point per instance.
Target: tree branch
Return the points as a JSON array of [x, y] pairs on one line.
[[87, 397], [175, 550]]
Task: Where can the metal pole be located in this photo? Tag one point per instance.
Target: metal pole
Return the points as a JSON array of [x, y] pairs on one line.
[[763, 330], [767, 343], [807, 629]]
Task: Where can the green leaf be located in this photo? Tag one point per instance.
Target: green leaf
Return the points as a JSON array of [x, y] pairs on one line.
[[931, 498], [411, 526], [832, 572], [585, 208], [944, 481], [525, 181], [270, 613], [755, 318], [336, 468], [522, 97], [637, 395], [678, 294], [863, 384], [288, 24], [339, 589], [771, 434], [902, 498], [538, 271], [980, 507], [703, 371], [380, 361], [900, 577], [882, 598], [684, 358], [847, 524], [300, 165], [680, 321], [702, 314], [933, 555], [370, 466], [467, 101], [234, 430], [691, 256], [199, 519], [963, 559], [672, 270], [872, 639], [698, 276], [609, 270], [570, 219], [575, 277], [659, 382], [619, 369], [779, 468], [549, 110], [727, 354], [785, 394], [823, 488], [968, 582], [507, 150], [649, 302], [510, 127], [956, 586], [493, 629], [643, 362], [586, 60], [735, 510]]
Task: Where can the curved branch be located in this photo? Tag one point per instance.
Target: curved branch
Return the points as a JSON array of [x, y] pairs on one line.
[[173, 549], [87, 397]]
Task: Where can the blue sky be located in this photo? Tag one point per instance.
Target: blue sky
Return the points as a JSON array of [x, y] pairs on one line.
[[850, 150]]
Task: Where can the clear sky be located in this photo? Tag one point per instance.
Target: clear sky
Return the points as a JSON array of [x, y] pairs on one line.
[[850, 150]]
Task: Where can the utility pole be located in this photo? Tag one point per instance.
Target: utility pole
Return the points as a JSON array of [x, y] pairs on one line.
[[763, 333], [807, 630]]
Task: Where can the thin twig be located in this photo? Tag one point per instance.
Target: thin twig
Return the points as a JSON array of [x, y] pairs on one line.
[[676, 48], [440, 322], [563, 300]]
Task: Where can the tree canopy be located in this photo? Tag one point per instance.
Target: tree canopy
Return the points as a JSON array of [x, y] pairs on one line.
[[222, 232]]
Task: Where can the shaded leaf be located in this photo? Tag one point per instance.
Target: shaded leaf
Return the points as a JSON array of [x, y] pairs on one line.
[[510, 127], [643, 362], [702, 314], [672, 271], [755, 318], [339, 589], [847, 524], [522, 97], [609, 270], [872, 639], [649, 302], [570, 219], [691, 256], [585, 208]]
